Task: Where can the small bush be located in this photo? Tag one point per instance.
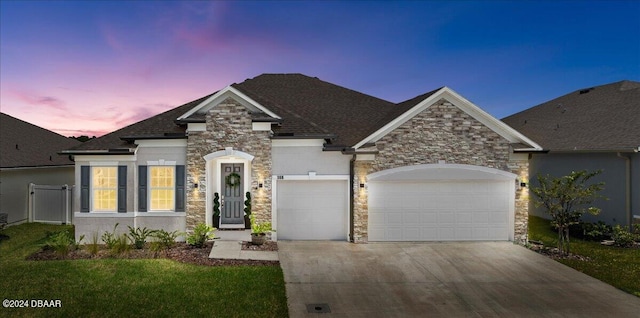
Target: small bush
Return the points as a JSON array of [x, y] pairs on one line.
[[110, 238], [622, 237], [62, 243], [596, 231], [164, 240], [139, 236], [200, 234], [121, 244]]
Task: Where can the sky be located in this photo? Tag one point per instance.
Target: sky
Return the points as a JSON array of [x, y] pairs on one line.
[[91, 67]]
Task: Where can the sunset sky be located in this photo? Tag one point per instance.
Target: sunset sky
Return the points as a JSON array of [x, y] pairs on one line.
[[90, 67]]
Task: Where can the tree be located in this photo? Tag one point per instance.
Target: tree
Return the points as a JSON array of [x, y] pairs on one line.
[[566, 199]]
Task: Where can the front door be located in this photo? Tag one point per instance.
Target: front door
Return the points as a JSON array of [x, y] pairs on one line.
[[232, 212]]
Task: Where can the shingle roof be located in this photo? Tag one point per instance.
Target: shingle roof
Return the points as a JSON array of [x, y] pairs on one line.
[[26, 145], [600, 118], [160, 125], [310, 106], [307, 105]]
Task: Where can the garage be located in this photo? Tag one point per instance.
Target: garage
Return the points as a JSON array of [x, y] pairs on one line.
[[312, 209], [441, 202]]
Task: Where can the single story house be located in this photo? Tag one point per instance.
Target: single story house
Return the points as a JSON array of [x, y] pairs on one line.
[[591, 128], [29, 154], [321, 162]]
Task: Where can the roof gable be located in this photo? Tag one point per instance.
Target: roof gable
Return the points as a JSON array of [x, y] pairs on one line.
[[228, 92], [601, 118], [27, 145], [423, 102]]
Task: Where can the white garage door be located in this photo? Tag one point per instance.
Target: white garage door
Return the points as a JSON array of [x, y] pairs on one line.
[[312, 210], [441, 210]]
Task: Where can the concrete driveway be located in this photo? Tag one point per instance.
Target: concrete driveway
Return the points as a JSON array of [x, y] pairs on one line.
[[488, 279]]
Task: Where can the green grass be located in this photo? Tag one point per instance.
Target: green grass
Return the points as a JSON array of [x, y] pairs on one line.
[[619, 267], [125, 288]]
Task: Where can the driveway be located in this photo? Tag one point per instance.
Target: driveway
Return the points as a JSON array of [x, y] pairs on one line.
[[488, 279]]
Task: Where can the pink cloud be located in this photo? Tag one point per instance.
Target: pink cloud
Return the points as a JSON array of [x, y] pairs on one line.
[[39, 100]]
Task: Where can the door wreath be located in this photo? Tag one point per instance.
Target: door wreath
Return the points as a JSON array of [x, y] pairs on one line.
[[232, 180]]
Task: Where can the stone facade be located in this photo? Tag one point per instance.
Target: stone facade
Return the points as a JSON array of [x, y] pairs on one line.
[[228, 124], [442, 132]]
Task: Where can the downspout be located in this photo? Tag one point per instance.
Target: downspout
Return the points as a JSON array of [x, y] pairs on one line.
[[627, 189], [351, 194]]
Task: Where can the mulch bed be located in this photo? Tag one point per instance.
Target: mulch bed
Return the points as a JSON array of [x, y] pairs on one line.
[[182, 252]]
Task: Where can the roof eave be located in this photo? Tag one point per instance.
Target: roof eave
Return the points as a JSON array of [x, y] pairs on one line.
[[107, 152]]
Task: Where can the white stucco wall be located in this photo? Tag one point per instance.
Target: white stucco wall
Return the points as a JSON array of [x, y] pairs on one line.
[[300, 160], [14, 188]]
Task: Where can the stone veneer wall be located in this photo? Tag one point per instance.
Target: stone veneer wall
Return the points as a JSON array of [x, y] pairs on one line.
[[228, 125], [441, 132]]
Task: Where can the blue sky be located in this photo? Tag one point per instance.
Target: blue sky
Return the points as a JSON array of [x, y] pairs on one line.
[[90, 67]]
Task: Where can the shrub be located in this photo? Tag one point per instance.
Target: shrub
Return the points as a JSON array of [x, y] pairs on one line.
[[257, 228], [121, 244], [165, 240], [247, 204], [596, 231], [110, 238], [622, 237], [200, 234], [62, 243], [139, 236]]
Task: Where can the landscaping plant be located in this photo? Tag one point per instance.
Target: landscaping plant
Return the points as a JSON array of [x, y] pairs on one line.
[[139, 236], [247, 204], [622, 237], [164, 240], [110, 238], [93, 247], [260, 228], [62, 243], [200, 234], [566, 199]]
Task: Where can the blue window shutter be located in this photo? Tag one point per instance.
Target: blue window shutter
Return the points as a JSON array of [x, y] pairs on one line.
[[122, 188], [142, 188], [85, 178], [180, 194]]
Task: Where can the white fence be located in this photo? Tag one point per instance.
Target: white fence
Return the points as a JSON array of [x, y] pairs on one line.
[[50, 203]]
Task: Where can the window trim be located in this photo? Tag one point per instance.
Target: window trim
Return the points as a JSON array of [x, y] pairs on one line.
[[92, 189], [150, 188]]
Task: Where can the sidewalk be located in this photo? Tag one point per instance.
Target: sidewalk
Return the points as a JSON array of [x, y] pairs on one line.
[[228, 245]]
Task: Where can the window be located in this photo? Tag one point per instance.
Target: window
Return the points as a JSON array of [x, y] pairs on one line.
[[162, 188], [104, 187]]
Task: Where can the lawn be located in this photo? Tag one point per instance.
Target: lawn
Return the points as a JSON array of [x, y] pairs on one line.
[[619, 267], [123, 288]]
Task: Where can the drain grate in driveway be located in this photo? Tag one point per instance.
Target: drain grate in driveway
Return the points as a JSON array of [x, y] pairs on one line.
[[318, 308]]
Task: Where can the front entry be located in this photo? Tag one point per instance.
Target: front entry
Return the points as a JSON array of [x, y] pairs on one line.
[[232, 212]]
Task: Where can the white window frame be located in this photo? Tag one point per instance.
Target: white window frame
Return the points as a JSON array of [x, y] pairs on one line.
[[94, 188], [150, 188]]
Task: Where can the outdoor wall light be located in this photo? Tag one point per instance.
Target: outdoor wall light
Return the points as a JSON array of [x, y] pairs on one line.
[[523, 184], [195, 185], [361, 185], [260, 185]]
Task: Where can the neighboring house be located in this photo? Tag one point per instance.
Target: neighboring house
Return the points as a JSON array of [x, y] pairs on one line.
[[321, 162], [29, 154], [592, 128]]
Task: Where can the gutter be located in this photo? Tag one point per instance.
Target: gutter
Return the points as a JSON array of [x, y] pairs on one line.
[[627, 189], [351, 193]]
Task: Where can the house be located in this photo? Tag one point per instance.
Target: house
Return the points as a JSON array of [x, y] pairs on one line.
[[591, 128], [29, 154], [321, 162]]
